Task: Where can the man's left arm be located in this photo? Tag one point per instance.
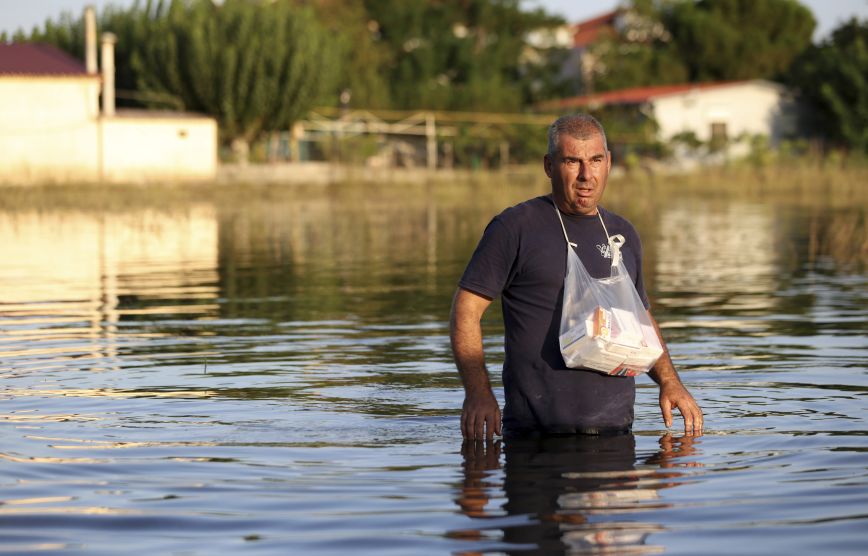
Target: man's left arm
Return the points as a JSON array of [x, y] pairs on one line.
[[673, 394]]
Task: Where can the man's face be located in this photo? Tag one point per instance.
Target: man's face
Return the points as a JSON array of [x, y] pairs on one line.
[[578, 171]]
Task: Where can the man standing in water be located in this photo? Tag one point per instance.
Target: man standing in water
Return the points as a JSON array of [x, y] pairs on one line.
[[521, 258]]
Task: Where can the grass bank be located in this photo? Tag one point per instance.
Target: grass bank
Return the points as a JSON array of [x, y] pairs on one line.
[[823, 185]]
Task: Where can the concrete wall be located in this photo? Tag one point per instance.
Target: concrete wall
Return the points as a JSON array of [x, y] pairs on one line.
[[140, 146], [48, 129], [755, 107], [51, 131]]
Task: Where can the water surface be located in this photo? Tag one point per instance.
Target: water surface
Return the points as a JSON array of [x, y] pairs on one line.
[[273, 375]]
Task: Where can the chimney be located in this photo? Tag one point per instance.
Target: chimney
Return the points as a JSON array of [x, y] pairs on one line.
[[108, 73], [90, 40]]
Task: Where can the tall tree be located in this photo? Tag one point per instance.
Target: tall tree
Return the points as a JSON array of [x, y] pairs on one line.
[[363, 56], [254, 65], [639, 51], [738, 39], [455, 55], [670, 41], [833, 77]]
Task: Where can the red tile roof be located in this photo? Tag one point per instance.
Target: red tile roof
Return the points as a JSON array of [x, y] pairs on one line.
[[636, 95], [38, 59], [586, 32]]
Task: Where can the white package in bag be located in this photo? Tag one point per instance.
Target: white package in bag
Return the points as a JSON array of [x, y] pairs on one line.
[[604, 325]]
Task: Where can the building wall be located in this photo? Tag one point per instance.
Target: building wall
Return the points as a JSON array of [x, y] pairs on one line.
[[51, 131], [752, 108], [47, 129], [142, 147]]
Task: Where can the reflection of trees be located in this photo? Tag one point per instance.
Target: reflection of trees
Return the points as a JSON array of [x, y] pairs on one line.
[[566, 489], [344, 253]]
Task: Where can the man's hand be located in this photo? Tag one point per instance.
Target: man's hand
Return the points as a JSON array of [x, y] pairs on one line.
[[673, 395], [480, 417]]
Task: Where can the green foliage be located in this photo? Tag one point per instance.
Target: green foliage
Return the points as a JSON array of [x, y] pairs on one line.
[[833, 77], [625, 65], [255, 66], [362, 55], [738, 39], [455, 55], [640, 53], [67, 33], [676, 41]]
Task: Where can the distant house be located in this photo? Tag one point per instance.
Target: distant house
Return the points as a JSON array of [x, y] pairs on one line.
[[52, 128], [589, 31], [712, 112], [580, 65]]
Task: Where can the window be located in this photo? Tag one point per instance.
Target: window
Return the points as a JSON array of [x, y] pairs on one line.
[[718, 136]]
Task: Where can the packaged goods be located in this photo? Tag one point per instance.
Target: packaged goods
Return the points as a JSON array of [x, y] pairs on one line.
[[604, 325], [611, 341]]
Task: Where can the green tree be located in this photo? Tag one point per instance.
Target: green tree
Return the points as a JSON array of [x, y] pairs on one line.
[[455, 55], [833, 77], [254, 65], [640, 53], [738, 39], [676, 41], [363, 55]]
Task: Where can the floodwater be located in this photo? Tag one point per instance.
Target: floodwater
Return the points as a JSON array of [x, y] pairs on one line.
[[272, 375]]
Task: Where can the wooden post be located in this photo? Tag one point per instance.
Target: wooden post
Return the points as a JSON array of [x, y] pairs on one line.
[[431, 133]]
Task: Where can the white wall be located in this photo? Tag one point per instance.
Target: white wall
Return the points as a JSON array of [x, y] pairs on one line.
[[47, 129], [141, 146], [51, 131], [753, 107]]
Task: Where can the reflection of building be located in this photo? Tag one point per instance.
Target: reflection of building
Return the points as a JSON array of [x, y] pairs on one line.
[[74, 272], [52, 130]]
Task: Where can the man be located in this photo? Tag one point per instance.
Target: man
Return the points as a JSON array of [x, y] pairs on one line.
[[522, 258]]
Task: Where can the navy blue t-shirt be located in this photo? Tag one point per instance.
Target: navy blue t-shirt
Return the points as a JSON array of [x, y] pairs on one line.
[[522, 258]]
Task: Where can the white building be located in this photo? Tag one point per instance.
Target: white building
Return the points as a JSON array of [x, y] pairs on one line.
[[712, 112], [53, 131]]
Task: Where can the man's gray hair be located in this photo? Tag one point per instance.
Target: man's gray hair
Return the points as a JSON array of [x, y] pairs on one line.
[[578, 126]]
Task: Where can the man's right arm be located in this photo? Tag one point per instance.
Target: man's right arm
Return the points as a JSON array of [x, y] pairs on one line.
[[480, 416]]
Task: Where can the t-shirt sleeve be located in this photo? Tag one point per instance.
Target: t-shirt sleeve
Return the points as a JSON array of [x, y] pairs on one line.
[[492, 262]]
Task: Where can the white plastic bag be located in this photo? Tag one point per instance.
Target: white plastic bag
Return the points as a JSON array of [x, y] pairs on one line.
[[604, 325]]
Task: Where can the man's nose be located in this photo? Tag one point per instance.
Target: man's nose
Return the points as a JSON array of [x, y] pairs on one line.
[[583, 171]]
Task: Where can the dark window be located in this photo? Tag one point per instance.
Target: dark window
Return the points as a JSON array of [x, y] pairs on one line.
[[718, 136]]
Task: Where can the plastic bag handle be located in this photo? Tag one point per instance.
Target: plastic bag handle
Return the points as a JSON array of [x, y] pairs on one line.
[[615, 242]]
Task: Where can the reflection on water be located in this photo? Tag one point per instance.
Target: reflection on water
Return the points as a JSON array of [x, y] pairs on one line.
[[568, 495], [272, 372], [77, 277], [702, 250]]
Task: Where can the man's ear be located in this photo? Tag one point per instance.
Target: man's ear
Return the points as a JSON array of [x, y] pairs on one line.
[[608, 161], [547, 164]]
